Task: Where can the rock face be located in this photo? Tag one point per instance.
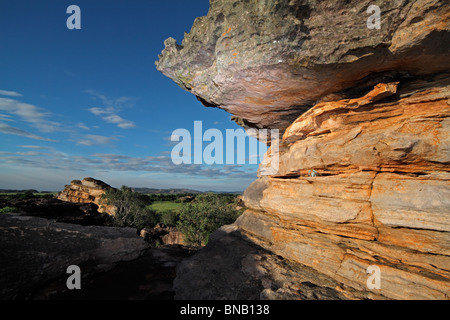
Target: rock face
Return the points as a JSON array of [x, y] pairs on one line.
[[88, 190], [365, 110], [381, 195], [35, 253]]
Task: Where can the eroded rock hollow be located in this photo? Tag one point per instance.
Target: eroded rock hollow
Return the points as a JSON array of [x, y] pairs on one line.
[[363, 163]]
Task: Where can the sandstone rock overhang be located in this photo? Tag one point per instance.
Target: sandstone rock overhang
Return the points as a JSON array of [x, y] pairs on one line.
[[267, 62], [366, 110]]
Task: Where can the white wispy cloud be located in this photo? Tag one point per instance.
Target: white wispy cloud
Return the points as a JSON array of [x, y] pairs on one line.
[[114, 162], [116, 103], [29, 113], [10, 93], [4, 128], [110, 117], [81, 125], [6, 117], [35, 147], [111, 108], [92, 139]]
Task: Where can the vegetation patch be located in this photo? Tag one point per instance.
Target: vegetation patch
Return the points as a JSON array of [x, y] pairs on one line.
[[8, 210], [195, 219], [199, 218], [131, 208]]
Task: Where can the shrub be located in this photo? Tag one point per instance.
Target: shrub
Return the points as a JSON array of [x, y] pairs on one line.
[[131, 208], [169, 218], [197, 220], [8, 210], [28, 194]]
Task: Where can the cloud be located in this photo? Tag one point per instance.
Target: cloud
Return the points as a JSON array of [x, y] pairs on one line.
[[92, 139], [24, 153], [110, 108], [158, 171], [111, 156], [164, 164], [98, 111], [9, 93], [110, 116], [121, 123], [82, 126], [29, 113], [117, 103], [5, 117], [35, 147], [4, 128], [110, 166]]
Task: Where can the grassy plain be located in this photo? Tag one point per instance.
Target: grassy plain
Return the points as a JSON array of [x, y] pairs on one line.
[[164, 206]]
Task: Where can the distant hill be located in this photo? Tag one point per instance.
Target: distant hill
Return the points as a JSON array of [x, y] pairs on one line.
[[140, 190], [165, 191], [18, 191], [226, 192], [178, 191]]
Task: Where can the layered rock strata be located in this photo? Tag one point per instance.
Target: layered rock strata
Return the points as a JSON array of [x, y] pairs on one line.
[[88, 190], [362, 179], [381, 195]]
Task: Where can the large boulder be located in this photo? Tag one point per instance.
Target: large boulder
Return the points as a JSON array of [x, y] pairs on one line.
[[88, 190], [362, 175], [36, 252]]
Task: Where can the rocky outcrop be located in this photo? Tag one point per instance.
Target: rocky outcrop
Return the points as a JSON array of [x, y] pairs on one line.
[[362, 175], [88, 190], [35, 254]]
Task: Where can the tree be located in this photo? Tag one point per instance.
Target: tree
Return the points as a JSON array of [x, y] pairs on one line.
[[131, 208], [197, 220], [168, 218]]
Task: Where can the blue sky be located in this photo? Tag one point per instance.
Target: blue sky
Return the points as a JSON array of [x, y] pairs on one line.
[[90, 102]]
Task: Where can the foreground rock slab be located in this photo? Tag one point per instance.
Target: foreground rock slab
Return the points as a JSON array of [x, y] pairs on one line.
[[150, 277], [233, 266], [35, 253], [51, 208]]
